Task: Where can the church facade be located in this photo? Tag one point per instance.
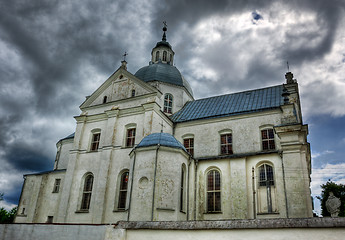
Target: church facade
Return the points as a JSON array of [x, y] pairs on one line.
[[145, 150]]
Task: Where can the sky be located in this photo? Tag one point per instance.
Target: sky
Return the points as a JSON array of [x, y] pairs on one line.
[[54, 53]]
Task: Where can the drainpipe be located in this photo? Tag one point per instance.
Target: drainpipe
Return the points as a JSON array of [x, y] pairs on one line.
[[286, 202], [253, 184], [130, 193], [195, 185], [154, 182], [188, 170]]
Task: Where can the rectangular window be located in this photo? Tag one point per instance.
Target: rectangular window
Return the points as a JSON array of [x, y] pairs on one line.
[[56, 185], [189, 145], [267, 136], [130, 137], [226, 144], [95, 141]]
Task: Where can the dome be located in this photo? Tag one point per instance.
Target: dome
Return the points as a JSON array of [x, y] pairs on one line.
[[163, 139], [163, 73]]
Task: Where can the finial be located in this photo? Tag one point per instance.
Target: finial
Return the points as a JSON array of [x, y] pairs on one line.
[[123, 62], [165, 28], [124, 56]]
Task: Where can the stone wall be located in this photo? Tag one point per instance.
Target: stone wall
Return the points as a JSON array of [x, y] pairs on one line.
[[265, 229]]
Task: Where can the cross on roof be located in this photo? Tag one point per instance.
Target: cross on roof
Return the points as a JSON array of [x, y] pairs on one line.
[[124, 56]]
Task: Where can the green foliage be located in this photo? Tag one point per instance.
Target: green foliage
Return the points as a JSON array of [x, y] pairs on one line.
[[7, 216], [338, 191]]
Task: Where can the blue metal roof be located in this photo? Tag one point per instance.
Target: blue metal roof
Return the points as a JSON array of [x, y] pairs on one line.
[[163, 72], [68, 137], [231, 104], [163, 139]]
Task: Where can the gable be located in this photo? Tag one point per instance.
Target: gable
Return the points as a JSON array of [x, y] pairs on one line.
[[118, 86]]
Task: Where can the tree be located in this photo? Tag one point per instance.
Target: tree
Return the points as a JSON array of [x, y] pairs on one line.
[[338, 191], [7, 216]]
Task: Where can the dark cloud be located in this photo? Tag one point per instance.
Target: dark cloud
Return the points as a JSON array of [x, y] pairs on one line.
[[22, 156], [53, 53]]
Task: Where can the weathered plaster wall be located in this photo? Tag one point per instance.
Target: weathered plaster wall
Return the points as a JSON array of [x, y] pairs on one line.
[[246, 135], [62, 156], [264, 229], [38, 198]]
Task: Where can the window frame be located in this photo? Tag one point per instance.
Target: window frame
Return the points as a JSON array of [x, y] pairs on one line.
[[130, 139], [268, 139], [122, 192], [157, 56], [263, 179], [214, 192], [168, 103], [226, 145], [94, 143], [188, 144], [165, 56], [57, 185], [86, 192]]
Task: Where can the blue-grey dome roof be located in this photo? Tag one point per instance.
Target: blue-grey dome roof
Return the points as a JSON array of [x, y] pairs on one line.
[[164, 73], [163, 139]]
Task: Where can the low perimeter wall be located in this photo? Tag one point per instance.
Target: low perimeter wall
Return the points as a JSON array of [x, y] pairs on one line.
[[265, 229]]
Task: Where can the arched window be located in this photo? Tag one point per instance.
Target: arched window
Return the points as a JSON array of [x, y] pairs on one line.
[[266, 175], [266, 191], [133, 93], [213, 191], [157, 55], [87, 190], [168, 101], [105, 99], [165, 56], [123, 190]]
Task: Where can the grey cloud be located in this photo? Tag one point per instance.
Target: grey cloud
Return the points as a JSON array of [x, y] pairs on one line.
[[22, 156], [58, 41]]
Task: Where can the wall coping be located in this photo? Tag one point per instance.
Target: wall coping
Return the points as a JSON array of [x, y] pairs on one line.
[[275, 223]]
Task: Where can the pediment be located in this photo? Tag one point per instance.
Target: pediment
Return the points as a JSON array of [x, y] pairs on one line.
[[120, 85]]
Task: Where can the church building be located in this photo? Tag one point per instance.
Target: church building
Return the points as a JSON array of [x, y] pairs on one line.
[[145, 150]]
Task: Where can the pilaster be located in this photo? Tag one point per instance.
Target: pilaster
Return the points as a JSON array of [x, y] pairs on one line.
[[295, 161]]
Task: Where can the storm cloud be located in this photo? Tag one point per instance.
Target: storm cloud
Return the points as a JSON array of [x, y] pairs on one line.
[[54, 53]]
